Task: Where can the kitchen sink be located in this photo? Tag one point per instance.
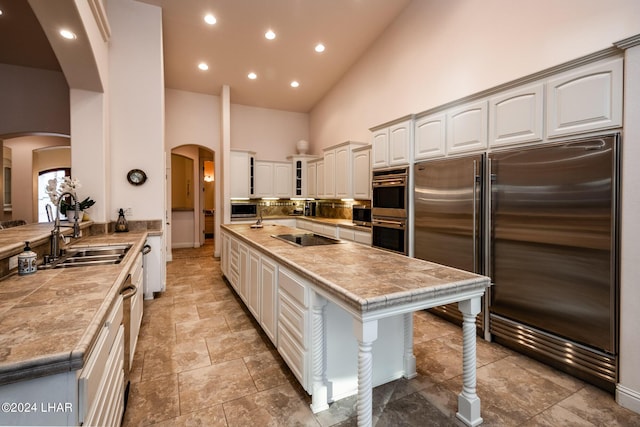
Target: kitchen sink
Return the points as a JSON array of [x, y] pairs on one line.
[[90, 256]]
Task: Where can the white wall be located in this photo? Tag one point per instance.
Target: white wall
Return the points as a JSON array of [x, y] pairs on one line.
[[439, 51], [271, 134], [136, 108]]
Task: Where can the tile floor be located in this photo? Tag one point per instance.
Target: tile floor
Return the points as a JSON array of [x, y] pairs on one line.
[[203, 361]]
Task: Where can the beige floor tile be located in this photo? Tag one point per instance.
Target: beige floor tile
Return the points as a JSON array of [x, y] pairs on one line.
[[597, 407], [175, 358], [208, 417], [212, 326], [280, 406], [267, 370], [152, 401], [235, 345], [223, 382]]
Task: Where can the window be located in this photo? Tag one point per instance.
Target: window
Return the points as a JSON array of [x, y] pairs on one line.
[[43, 197]]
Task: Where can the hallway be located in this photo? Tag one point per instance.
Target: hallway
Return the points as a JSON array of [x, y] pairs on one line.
[[202, 360]]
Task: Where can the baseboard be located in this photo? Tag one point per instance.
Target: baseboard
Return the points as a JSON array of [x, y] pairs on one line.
[[628, 398], [186, 245]]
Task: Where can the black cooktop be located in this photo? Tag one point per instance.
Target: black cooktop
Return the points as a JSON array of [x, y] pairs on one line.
[[307, 239]]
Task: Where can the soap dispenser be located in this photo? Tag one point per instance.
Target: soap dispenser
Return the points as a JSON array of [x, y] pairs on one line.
[[27, 261], [121, 224]]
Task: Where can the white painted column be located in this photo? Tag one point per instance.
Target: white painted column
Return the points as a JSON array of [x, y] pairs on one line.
[[366, 333], [409, 357], [468, 400], [319, 394]]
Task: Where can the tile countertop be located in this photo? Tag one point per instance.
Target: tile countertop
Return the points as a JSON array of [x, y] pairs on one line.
[[365, 278], [50, 319]]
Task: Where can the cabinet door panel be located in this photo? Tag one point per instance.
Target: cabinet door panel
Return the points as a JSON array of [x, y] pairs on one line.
[[380, 148], [586, 99], [282, 180], [399, 137], [264, 179], [342, 172], [329, 174], [362, 175], [269, 294], [312, 189], [516, 116], [430, 132], [467, 128]]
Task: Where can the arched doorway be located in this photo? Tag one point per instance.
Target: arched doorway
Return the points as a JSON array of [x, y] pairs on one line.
[[191, 196]]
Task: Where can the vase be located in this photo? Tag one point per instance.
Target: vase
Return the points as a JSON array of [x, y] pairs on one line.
[[302, 146]]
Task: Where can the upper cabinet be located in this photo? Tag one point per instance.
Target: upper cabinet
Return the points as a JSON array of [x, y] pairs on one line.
[[585, 99], [391, 144], [242, 172], [430, 133], [299, 165], [338, 171], [467, 128], [362, 173], [516, 116], [273, 179]]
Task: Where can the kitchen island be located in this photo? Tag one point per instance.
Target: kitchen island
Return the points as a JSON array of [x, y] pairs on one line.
[[302, 297]]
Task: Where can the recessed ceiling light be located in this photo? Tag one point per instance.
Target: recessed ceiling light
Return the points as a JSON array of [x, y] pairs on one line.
[[252, 76], [0, 11], [295, 84], [67, 34], [270, 35], [203, 66], [319, 48], [210, 19]]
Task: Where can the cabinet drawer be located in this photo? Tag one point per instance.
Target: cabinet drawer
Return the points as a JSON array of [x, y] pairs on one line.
[[293, 286], [136, 271], [97, 367], [346, 233], [293, 355], [293, 318]]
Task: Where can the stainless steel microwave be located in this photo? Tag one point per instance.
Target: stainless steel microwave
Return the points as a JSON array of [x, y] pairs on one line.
[[244, 210], [361, 215]]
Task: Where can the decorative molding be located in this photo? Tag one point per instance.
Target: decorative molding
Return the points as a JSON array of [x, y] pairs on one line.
[[578, 62], [628, 398], [100, 15], [628, 42]]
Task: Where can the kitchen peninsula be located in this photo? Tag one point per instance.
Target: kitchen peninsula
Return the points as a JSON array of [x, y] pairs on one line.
[[309, 299], [62, 346]]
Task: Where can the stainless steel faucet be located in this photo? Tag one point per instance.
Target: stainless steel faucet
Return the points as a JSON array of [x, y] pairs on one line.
[[55, 233]]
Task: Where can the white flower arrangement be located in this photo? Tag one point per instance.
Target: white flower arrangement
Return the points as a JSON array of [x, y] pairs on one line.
[[66, 185]]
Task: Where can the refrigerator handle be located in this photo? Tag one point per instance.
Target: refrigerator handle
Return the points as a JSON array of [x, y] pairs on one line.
[[474, 235], [488, 268]]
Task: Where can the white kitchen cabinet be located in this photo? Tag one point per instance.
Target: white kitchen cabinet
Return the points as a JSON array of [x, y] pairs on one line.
[[273, 179], [391, 144], [312, 178], [338, 170], [354, 235], [304, 224], [269, 298], [242, 174], [155, 271], [362, 173], [329, 174], [293, 324], [137, 306], [320, 183], [585, 99], [430, 136], [243, 279], [467, 128], [301, 176], [516, 116], [253, 284]]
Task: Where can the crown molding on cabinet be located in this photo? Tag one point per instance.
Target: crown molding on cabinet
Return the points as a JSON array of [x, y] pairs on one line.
[[584, 60], [628, 42]]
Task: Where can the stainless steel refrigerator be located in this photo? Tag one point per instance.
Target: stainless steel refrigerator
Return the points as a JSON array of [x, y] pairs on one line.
[[448, 220], [553, 254]]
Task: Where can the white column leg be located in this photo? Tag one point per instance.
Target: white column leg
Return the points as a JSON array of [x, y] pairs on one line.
[[319, 395], [366, 333], [409, 357], [468, 400]]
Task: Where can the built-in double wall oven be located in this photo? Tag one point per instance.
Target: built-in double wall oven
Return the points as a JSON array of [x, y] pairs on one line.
[[389, 203]]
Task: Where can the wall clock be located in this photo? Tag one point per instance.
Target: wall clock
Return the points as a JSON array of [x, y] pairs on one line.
[[136, 177]]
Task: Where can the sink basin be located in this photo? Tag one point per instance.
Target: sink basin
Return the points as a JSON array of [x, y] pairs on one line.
[[90, 256]]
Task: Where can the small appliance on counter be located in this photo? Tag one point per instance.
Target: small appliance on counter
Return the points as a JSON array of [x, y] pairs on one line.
[[244, 210], [310, 208], [361, 215]]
